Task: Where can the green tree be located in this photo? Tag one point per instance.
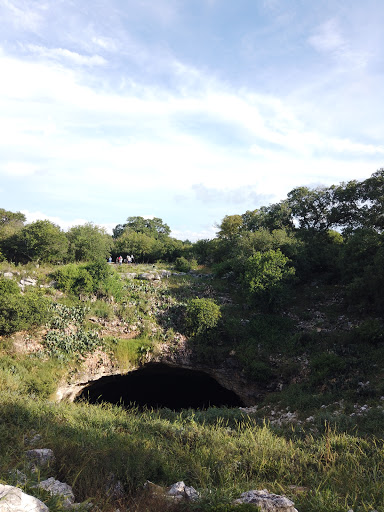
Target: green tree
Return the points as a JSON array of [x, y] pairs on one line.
[[155, 227], [10, 224], [372, 199], [265, 275], [173, 248], [202, 316], [230, 226], [88, 243], [41, 241], [274, 216], [142, 246], [312, 207]]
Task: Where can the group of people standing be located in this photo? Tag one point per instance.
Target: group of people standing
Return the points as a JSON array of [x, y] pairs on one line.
[[120, 259]]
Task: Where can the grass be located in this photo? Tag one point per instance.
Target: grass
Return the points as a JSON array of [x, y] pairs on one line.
[[220, 452], [92, 442], [130, 353]]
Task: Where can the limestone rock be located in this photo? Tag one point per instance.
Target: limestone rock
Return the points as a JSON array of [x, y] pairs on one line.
[[148, 276], [17, 477], [164, 273], [177, 488], [56, 488], [41, 456], [13, 499], [181, 491], [266, 501], [114, 488], [9, 275], [28, 281]]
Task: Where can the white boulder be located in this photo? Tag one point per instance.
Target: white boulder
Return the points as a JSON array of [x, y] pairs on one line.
[[13, 499]]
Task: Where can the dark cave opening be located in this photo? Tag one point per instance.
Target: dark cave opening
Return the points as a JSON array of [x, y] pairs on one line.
[[158, 385]]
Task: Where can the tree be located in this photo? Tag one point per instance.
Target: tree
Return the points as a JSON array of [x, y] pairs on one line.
[[274, 216], [142, 246], [265, 275], [155, 227], [41, 241], [10, 224], [88, 242], [312, 207], [202, 316], [230, 226], [372, 197]]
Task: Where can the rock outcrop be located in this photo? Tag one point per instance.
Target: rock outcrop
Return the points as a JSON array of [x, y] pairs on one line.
[[61, 489], [266, 501], [13, 499]]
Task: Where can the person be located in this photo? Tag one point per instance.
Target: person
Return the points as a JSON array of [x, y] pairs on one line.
[[132, 258], [120, 260], [128, 259], [110, 259]]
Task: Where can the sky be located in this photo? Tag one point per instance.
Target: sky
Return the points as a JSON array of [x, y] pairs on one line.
[[187, 110]]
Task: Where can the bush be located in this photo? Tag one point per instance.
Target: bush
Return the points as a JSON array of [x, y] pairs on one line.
[[96, 277], [19, 311], [202, 315], [66, 277], [265, 275], [370, 331], [182, 264], [326, 366]]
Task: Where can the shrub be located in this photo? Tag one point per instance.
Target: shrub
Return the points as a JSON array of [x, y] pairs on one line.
[[265, 275], [202, 315], [370, 331], [182, 264], [19, 311], [96, 277], [326, 366], [66, 277]]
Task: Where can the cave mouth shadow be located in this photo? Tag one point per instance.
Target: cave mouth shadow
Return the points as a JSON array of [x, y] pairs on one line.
[[158, 385]]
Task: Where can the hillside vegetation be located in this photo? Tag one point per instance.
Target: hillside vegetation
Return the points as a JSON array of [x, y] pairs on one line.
[[289, 295]]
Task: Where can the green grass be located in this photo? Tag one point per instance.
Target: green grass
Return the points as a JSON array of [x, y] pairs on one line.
[[129, 352], [91, 442], [221, 452]]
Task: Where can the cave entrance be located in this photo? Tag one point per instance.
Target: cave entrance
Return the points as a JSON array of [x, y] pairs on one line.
[[158, 385]]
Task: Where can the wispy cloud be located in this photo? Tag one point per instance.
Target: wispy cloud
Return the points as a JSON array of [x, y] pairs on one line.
[[21, 15], [328, 38], [66, 55], [235, 196]]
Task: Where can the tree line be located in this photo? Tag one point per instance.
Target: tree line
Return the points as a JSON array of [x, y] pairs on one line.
[[333, 234], [43, 241]]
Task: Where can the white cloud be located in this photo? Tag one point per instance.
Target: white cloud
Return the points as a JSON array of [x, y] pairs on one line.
[[64, 224], [62, 53], [60, 117], [329, 39], [106, 43], [137, 143], [21, 15]]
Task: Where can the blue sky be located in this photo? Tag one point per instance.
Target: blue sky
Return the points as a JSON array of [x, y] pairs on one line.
[[187, 110]]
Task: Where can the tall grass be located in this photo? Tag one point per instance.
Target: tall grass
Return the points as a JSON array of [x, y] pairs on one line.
[[91, 443]]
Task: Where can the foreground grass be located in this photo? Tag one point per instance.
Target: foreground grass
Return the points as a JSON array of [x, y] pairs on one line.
[[96, 444]]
